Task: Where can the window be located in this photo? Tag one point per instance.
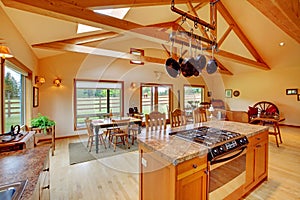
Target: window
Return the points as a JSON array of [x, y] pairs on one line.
[[193, 96], [14, 95], [156, 96], [94, 99]]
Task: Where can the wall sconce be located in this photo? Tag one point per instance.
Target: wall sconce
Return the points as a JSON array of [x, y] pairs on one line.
[[132, 85], [137, 53], [39, 79], [57, 82], [5, 52]]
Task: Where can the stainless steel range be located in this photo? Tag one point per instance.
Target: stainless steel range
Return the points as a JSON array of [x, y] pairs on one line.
[[226, 158]]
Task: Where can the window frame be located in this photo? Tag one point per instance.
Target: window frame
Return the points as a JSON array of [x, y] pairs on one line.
[[95, 81], [156, 96], [193, 86]]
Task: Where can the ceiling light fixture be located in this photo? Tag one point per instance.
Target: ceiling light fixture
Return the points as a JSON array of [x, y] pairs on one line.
[[281, 44]]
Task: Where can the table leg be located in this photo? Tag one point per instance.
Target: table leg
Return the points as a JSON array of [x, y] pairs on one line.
[[97, 138]]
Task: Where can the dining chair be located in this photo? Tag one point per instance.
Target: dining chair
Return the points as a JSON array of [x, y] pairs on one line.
[[120, 131], [178, 118], [199, 115], [155, 120], [91, 134]]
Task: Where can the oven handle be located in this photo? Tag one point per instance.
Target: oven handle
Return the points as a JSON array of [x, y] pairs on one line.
[[228, 158]]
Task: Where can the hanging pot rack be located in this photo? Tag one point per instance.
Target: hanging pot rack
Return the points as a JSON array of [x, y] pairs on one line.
[[192, 66]]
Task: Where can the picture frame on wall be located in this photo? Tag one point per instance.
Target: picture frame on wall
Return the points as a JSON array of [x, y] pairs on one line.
[[35, 96], [228, 93], [291, 91]]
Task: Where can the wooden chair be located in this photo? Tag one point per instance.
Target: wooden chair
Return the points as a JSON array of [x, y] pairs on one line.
[[91, 134], [178, 118], [155, 120], [199, 115], [120, 131]]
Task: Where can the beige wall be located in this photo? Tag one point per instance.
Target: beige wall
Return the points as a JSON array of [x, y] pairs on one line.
[[267, 86], [57, 103], [10, 37]]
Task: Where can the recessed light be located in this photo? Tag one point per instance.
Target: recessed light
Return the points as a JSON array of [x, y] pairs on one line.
[[281, 44]]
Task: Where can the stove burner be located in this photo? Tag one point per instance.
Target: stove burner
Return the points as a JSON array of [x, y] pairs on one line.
[[207, 136], [219, 141]]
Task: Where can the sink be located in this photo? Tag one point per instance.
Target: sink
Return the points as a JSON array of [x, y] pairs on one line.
[[12, 191]]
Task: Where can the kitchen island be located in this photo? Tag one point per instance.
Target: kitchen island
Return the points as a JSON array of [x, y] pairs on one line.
[[175, 168]]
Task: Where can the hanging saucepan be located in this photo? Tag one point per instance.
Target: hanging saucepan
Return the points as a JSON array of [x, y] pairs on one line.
[[190, 63], [200, 60], [172, 66], [212, 64]]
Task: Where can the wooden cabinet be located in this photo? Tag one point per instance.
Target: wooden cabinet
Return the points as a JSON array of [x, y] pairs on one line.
[[42, 189], [256, 160], [160, 179]]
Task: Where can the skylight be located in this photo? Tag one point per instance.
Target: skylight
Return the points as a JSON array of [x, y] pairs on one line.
[[116, 12], [81, 28]]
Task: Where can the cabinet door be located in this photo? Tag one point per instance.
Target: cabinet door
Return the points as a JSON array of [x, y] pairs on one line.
[[249, 168], [156, 177], [261, 157], [192, 187]]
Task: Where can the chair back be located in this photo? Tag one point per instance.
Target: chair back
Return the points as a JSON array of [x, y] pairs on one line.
[[155, 120], [121, 124], [89, 128], [199, 115], [178, 118]]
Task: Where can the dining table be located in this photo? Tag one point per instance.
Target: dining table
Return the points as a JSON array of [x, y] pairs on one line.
[[271, 121], [99, 124]]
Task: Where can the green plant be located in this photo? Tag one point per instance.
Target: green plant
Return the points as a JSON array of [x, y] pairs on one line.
[[42, 122]]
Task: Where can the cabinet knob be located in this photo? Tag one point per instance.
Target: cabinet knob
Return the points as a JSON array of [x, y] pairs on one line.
[[195, 166], [257, 138], [46, 187], [46, 170], [258, 146]]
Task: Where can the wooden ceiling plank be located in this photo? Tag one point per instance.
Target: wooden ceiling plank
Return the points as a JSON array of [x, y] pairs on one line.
[[126, 3], [229, 19], [285, 14]]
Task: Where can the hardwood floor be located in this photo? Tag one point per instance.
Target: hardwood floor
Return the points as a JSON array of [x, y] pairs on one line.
[[117, 177]]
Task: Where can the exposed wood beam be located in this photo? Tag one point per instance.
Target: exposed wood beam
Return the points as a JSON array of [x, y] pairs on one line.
[[242, 60], [70, 12], [223, 69], [224, 36], [285, 14], [96, 51], [126, 3], [229, 19], [91, 38]]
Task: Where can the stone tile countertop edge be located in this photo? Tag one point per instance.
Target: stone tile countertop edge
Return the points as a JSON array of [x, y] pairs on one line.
[[176, 150], [21, 165]]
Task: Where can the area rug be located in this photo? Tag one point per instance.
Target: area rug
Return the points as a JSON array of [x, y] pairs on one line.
[[78, 152]]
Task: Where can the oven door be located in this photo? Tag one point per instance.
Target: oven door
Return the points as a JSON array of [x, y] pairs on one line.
[[227, 174]]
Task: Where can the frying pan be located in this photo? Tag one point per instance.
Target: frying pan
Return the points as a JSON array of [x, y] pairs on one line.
[[172, 67]]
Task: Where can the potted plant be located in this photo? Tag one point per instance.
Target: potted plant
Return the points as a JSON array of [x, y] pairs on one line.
[[42, 122]]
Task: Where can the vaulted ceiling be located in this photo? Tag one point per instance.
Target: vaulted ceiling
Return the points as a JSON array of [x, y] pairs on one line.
[[248, 33]]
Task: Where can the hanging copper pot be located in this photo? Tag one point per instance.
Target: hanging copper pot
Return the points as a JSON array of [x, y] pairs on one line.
[[172, 67]]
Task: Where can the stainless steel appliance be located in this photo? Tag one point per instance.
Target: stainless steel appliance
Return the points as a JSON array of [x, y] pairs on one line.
[[226, 158]]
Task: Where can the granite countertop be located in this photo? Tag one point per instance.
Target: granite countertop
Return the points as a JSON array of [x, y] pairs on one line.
[[176, 150], [21, 165]]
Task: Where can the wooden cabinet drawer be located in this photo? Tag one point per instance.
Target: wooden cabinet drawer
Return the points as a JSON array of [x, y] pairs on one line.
[[254, 140], [191, 166]]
